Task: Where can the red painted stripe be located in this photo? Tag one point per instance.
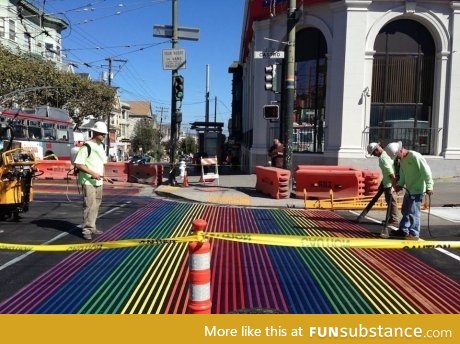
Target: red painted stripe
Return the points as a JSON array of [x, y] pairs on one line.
[[424, 287]]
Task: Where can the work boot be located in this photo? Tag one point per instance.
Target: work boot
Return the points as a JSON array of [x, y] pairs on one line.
[[87, 236], [385, 234]]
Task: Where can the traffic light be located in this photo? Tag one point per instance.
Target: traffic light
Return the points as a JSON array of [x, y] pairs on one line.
[[179, 87], [271, 78], [271, 112]]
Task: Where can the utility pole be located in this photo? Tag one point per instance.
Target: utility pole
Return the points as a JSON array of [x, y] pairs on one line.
[[108, 116], [289, 86], [174, 123], [177, 81], [206, 119], [109, 82], [215, 110], [161, 109]]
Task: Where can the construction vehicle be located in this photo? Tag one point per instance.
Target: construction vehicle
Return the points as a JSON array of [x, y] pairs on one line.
[[17, 169]]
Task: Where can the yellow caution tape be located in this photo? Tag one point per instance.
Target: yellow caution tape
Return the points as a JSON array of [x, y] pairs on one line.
[[94, 246], [329, 242], [250, 238]]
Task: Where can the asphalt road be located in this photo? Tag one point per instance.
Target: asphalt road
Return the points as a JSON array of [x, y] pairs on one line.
[[52, 221], [54, 218]]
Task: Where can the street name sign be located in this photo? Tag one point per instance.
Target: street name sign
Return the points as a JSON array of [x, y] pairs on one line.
[[173, 59], [269, 54], [187, 33]]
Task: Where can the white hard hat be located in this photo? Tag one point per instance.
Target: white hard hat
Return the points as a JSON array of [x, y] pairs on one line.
[[100, 127], [371, 147], [393, 149]]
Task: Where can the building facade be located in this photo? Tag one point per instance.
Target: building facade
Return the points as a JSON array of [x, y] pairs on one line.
[[364, 71], [25, 28]]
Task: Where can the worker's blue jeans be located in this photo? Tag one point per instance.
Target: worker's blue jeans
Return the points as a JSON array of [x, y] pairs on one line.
[[410, 210]]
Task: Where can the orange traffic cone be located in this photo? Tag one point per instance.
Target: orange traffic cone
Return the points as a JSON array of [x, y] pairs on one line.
[[185, 183]]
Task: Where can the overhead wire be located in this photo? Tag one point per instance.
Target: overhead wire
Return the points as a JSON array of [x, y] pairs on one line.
[[80, 35]]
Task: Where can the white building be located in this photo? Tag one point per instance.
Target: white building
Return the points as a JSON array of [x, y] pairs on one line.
[[365, 71], [25, 28]]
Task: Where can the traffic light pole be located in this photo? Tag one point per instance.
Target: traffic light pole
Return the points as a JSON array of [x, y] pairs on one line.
[[174, 124], [289, 87]]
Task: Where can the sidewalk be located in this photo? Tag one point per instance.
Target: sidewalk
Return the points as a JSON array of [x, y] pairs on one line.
[[239, 190], [233, 190]]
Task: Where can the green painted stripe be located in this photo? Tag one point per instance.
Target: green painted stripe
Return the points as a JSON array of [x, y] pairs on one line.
[[116, 290], [376, 291], [341, 293]]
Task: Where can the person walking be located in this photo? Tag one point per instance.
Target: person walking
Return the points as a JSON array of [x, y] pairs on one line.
[[276, 153], [416, 178], [90, 162], [388, 179]]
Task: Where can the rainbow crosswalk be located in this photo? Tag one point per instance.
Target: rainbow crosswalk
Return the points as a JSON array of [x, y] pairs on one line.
[[153, 279]]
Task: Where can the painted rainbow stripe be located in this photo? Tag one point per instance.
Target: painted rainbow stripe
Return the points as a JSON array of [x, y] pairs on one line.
[[153, 279]]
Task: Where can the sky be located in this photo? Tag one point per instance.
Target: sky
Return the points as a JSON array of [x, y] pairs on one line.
[[123, 30]]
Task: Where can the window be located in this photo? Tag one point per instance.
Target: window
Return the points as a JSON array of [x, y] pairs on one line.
[[12, 30], [311, 76], [2, 27], [49, 51], [402, 85]]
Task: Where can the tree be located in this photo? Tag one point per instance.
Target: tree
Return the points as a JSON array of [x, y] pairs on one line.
[[146, 137], [81, 97], [188, 145]]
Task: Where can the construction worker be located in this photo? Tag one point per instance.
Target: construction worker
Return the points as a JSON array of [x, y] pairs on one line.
[[90, 164], [416, 178], [276, 153], [388, 179]]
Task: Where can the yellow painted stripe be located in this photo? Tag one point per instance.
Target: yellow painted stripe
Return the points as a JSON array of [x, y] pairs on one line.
[[167, 260], [368, 282]]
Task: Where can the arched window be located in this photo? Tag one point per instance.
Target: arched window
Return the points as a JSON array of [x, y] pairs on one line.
[[402, 85], [310, 84]]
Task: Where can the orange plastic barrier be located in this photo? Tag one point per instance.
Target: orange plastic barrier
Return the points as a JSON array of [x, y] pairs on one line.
[[273, 181], [371, 177], [325, 167], [54, 169], [160, 170], [117, 171], [318, 183], [142, 173], [371, 182]]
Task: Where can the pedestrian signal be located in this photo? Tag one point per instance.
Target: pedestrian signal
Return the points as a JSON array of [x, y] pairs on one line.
[[271, 112]]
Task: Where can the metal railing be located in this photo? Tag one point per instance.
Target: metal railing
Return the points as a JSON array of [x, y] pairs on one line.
[[422, 140], [304, 139]]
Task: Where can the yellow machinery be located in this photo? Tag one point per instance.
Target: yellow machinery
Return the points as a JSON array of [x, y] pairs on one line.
[[352, 203], [17, 168]]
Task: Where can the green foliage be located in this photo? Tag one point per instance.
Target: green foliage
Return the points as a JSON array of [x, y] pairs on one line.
[[146, 137], [188, 145], [80, 96]]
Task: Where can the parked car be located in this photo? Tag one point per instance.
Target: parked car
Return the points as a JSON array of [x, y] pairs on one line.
[[140, 159]]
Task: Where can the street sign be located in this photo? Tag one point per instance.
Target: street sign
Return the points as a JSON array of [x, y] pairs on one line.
[[174, 59], [187, 33], [269, 54]]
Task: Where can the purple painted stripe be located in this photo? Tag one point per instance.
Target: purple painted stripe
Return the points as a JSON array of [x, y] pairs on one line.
[[32, 295]]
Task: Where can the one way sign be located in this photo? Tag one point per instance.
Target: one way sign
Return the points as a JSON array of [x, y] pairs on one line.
[[269, 54]]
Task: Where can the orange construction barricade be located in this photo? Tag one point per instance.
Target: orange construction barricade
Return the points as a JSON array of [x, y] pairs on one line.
[[54, 169], [273, 181], [319, 183]]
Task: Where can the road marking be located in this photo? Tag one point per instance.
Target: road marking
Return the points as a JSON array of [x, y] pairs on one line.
[[57, 237], [451, 214], [450, 254]]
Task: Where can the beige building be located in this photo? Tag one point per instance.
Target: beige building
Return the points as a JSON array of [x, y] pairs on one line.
[[25, 28], [365, 71]]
